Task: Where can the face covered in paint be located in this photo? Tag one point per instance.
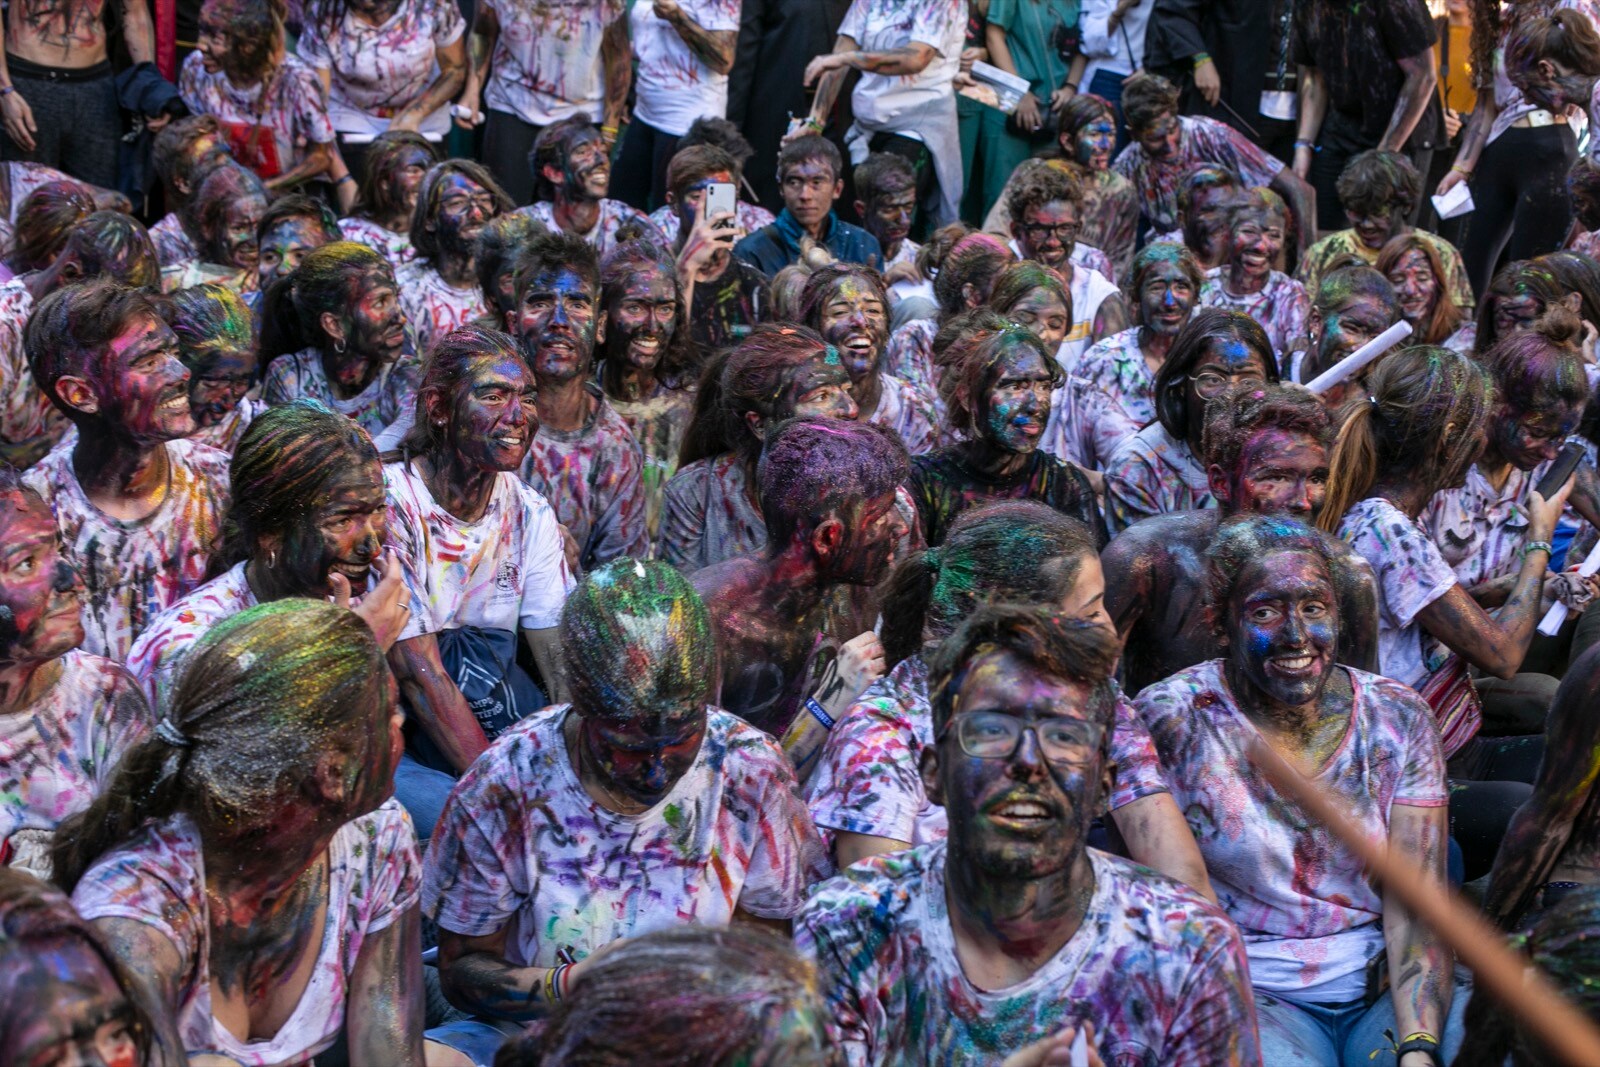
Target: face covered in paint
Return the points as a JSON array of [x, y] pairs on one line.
[[1585, 203], [60, 1006], [1047, 232], [1516, 311], [1415, 285], [1023, 815], [1094, 143], [1166, 296], [1017, 406], [342, 531], [285, 245], [809, 189], [642, 319], [856, 323], [1283, 627], [643, 754], [493, 416], [1376, 223], [40, 592], [463, 206], [1527, 438], [229, 371], [1160, 139], [404, 176], [587, 174], [558, 324], [1280, 472], [1347, 327], [1086, 599], [818, 388], [234, 243], [374, 328], [1206, 227], [889, 213], [867, 551], [1225, 362], [1255, 242], [141, 385], [1045, 314]]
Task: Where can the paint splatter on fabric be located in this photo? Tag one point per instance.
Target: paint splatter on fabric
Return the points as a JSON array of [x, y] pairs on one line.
[[907, 411], [271, 135], [1464, 340], [395, 247], [377, 71], [868, 780], [1200, 140], [943, 485], [225, 434], [506, 568], [672, 85], [157, 657], [707, 515], [1310, 916], [881, 936], [749, 217], [1411, 574], [1084, 255], [387, 397], [133, 571], [1116, 366], [1281, 307], [432, 305], [521, 845], [1086, 425], [1480, 530], [546, 61], [173, 244], [25, 412], [57, 754], [158, 879], [657, 423], [614, 215], [909, 356], [1344, 243], [726, 309], [593, 478], [1154, 474]]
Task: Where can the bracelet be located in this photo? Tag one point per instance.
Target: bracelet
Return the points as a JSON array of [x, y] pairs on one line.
[[1420, 1042], [1538, 546], [1200, 59], [7, 90], [346, 178], [1070, 85], [1459, 169], [610, 131], [1310, 146], [819, 714]]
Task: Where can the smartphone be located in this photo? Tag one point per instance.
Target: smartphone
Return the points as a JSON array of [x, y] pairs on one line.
[[1561, 469], [720, 197]]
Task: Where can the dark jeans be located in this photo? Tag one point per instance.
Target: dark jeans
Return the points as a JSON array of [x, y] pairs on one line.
[[79, 120], [507, 142], [639, 177], [1519, 197], [1489, 780]]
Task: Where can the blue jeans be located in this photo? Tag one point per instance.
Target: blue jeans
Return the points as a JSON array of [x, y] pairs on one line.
[[1349, 1035], [422, 791], [477, 1039]]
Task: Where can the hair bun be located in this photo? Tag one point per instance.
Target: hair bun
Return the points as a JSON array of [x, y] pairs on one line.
[[1559, 325]]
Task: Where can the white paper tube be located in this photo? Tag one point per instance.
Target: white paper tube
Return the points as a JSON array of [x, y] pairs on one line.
[[1355, 361], [1551, 623]]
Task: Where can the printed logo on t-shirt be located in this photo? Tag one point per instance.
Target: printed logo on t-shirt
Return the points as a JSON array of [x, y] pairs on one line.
[[509, 577]]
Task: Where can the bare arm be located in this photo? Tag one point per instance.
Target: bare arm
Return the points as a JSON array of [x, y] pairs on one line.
[[434, 698], [155, 970], [616, 60], [477, 978], [1302, 200], [1415, 92], [1358, 611], [139, 31], [17, 115], [1158, 837], [384, 1008], [480, 50], [1472, 140], [545, 645], [452, 60], [851, 848], [713, 47], [1313, 108], [318, 158], [1128, 582], [1420, 965], [832, 80], [1109, 318]]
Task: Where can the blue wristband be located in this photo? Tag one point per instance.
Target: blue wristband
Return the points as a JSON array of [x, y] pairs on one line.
[[817, 713]]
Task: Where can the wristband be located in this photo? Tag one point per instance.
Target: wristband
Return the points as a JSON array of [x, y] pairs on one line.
[[1201, 59], [1071, 85], [1420, 1042], [1538, 546], [819, 714], [1310, 146], [610, 131], [1459, 169], [7, 90]]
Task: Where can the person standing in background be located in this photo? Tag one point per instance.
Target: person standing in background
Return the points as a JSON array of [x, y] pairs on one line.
[[1112, 50], [1036, 40], [1454, 51]]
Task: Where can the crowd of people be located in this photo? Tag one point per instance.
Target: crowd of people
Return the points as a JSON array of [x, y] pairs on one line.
[[685, 532]]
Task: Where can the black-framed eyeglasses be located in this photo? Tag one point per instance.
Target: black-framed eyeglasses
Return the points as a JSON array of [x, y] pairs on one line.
[[996, 735], [1065, 232], [1211, 385]]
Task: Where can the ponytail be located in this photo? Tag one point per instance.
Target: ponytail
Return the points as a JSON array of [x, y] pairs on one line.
[[280, 324], [906, 596], [1353, 467], [147, 784]]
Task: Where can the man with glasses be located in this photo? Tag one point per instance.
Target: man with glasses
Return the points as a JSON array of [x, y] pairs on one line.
[[571, 176], [1013, 931], [1379, 192], [1166, 147]]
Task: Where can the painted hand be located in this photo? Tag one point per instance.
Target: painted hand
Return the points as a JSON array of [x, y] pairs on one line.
[[820, 66], [707, 238], [387, 606], [861, 662]]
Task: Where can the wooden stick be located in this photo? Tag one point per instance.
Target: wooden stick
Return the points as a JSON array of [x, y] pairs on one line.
[[1510, 977]]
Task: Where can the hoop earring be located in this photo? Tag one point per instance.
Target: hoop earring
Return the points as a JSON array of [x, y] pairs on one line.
[[339, 347], [272, 559]]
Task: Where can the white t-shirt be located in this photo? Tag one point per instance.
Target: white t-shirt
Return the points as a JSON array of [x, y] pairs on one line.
[[378, 71], [546, 62], [301, 375], [158, 878], [885, 25], [57, 754], [506, 569], [1310, 916], [25, 412], [521, 842], [1411, 574], [1157, 969], [1089, 290], [159, 653], [673, 86], [432, 305], [395, 247]]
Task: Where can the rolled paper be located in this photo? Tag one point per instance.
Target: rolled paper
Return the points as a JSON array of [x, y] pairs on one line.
[[1557, 614], [1355, 361]]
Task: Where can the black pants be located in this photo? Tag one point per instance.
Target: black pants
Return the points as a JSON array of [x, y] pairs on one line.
[[639, 177], [79, 120], [1519, 197], [507, 143]]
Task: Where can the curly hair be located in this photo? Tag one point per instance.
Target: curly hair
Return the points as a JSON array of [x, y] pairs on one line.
[[1378, 181], [1242, 412], [1039, 186], [972, 365]]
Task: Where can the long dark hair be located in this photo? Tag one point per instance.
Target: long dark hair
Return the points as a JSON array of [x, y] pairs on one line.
[[449, 363], [373, 199], [1205, 326], [293, 306], [746, 378]]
